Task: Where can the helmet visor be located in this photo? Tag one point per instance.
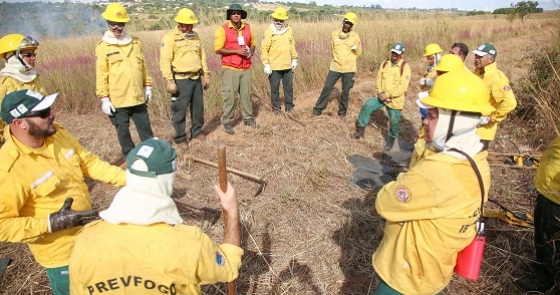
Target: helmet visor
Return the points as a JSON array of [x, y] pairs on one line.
[[28, 41]]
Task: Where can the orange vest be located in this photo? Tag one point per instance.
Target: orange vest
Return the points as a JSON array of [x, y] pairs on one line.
[[235, 60]]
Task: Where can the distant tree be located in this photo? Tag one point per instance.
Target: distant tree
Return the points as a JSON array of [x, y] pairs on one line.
[[523, 9]]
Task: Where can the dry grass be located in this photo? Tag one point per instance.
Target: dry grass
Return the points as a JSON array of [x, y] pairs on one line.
[[311, 230]]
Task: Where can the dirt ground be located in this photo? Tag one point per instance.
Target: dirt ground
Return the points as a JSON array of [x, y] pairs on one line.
[[310, 231]]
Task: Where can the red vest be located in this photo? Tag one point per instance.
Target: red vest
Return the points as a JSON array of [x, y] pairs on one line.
[[235, 60]]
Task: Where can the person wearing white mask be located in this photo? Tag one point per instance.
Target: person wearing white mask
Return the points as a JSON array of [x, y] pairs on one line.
[[123, 85], [143, 244], [19, 54]]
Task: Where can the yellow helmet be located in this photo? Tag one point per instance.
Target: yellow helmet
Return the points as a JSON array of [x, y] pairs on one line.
[[280, 13], [15, 42], [351, 17], [115, 12], [432, 49], [186, 16], [460, 91], [450, 62]]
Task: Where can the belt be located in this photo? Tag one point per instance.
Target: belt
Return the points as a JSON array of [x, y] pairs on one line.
[[187, 74]]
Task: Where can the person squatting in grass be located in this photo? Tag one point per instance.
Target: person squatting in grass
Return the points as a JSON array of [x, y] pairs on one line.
[[123, 85], [279, 57], [183, 65], [235, 42], [431, 211], [501, 95], [19, 54], [346, 48], [44, 199], [393, 78], [142, 246]]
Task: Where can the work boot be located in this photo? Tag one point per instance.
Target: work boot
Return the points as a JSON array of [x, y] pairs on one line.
[[535, 283], [277, 112], [228, 129], [250, 123], [359, 133], [388, 145]]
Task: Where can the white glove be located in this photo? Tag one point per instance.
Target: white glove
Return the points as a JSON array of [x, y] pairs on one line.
[[107, 107], [147, 93], [422, 81], [485, 120], [429, 82], [294, 63], [267, 69], [354, 47]]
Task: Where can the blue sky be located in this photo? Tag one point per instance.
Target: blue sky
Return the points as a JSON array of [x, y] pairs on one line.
[[485, 5]]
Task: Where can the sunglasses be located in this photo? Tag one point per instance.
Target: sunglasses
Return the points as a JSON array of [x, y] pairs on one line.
[[29, 54], [43, 114], [235, 13]]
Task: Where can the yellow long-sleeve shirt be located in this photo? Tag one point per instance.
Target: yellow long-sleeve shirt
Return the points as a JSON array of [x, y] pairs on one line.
[[547, 178], [133, 259], [394, 82], [278, 50], [183, 55], [121, 73], [35, 182], [431, 214], [344, 57], [501, 98]]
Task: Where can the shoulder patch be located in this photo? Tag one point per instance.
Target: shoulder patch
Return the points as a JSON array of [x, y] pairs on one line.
[[219, 259], [507, 88], [403, 194]]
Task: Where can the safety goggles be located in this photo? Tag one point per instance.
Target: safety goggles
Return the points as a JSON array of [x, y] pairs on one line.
[[31, 54], [28, 41], [115, 26], [43, 114]]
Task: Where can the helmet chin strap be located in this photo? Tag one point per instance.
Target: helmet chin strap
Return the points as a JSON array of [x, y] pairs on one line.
[[23, 62]]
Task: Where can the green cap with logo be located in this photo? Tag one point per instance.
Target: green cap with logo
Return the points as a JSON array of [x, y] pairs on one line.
[[151, 158], [398, 48], [18, 104], [486, 48]]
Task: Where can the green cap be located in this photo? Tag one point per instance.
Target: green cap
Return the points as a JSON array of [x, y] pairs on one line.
[[151, 158], [486, 48], [236, 7], [398, 48], [18, 104]]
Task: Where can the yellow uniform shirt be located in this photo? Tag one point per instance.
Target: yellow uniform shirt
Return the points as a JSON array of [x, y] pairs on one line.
[[501, 98], [344, 57], [278, 50], [156, 259], [9, 84], [220, 39], [431, 213], [547, 178], [430, 74], [185, 56], [121, 73], [35, 182], [393, 83]]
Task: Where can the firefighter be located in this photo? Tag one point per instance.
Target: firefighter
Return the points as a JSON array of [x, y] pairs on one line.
[[142, 246], [346, 49], [279, 57], [183, 65], [123, 85], [501, 95], [431, 211], [44, 198], [433, 56], [20, 54], [393, 78], [235, 42]]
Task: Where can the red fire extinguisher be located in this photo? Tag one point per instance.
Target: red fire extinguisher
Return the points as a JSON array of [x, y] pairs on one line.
[[470, 259]]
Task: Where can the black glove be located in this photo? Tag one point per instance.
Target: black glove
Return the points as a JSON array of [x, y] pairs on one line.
[[67, 218]]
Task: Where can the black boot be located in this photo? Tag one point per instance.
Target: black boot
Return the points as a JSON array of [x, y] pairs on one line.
[[359, 132], [228, 129], [388, 145]]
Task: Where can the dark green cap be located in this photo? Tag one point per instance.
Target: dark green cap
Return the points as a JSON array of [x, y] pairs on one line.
[[157, 157]]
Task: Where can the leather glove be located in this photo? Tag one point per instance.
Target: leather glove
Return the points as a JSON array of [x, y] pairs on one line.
[[354, 47], [171, 87], [147, 93], [429, 82], [267, 69], [107, 107], [484, 120], [422, 81], [294, 63], [67, 218], [206, 81]]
